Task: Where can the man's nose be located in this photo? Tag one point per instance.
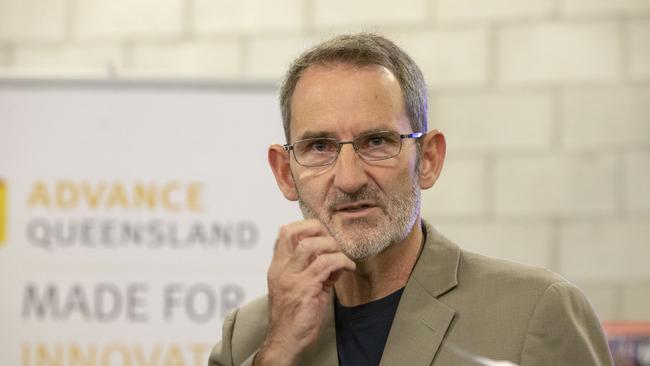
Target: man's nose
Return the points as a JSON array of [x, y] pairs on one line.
[[350, 174]]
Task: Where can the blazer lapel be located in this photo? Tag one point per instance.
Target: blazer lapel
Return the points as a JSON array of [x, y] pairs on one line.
[[422, 320]]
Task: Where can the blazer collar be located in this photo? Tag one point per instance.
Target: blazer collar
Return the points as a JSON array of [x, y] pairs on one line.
[[436, 270], [421, 321]]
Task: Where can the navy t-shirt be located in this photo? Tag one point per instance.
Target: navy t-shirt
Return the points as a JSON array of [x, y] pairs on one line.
[[361, 331]]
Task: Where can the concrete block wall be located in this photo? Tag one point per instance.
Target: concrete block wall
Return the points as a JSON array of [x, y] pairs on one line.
[[545, 104]]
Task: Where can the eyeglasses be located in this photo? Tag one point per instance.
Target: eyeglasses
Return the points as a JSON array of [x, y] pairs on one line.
[[321, 151]]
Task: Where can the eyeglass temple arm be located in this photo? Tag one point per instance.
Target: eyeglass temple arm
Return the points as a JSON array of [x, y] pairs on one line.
[[413, 135]]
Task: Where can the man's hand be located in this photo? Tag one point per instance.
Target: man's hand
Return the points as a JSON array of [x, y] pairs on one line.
[[306, 262]]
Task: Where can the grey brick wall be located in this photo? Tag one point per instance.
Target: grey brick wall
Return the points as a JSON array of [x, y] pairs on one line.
[[545, 103]]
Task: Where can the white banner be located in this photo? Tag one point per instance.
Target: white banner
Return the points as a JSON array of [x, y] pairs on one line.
[[133, 217]]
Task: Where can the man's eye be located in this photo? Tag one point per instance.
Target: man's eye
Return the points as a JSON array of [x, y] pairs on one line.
[[321, 146], [376, 140]]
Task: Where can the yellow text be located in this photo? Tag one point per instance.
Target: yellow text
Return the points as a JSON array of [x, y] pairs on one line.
[[170, 196], [114, 354]]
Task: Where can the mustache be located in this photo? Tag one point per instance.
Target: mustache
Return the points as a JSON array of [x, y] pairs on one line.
[[338, 198]]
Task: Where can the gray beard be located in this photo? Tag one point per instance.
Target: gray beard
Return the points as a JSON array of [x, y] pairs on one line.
[[363, 238]]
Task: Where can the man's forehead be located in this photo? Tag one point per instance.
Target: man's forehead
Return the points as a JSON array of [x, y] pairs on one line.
[[338, 66], [333, 99]]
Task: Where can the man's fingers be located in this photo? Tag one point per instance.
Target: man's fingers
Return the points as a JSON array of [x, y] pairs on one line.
[[334, 276], [310, 248], [291, 234], [325, 264]]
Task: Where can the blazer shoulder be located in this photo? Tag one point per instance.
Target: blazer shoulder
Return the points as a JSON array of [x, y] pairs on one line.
[[477, 267], [444, 265], [250, 326], [254, 312], [244, 331]]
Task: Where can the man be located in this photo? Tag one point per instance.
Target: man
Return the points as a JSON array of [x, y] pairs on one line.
[[363, 280]]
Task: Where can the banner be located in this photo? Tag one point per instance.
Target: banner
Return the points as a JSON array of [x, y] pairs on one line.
[[133, 218]]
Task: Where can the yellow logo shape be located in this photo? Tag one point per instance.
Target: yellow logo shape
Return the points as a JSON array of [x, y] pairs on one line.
[[3, 211]]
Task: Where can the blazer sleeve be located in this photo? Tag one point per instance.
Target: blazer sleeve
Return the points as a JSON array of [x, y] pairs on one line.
[[221, 354], [564, 330]]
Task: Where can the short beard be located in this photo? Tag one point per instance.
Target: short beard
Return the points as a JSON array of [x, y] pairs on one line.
[[364, 238]]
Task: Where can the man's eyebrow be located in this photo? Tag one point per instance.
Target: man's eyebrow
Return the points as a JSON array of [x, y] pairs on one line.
[[375, 130], [315, 134], [328, 134]]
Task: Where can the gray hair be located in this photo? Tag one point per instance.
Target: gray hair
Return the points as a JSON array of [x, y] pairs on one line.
[[362, 49]]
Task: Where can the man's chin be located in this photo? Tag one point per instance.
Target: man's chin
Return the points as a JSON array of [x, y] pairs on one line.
[[360, 244], [363, 251], [355, 223], [359, 258]]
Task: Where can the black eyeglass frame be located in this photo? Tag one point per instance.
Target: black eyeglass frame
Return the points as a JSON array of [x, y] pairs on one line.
[[414, 135]]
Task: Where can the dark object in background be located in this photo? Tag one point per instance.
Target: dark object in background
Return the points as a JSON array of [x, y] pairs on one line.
[[629, 343]]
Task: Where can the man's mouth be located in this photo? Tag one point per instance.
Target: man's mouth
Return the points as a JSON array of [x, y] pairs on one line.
[[354, 207]]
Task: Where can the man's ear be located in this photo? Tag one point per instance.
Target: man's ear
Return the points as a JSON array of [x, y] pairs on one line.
[[434, 148], [279, 160]]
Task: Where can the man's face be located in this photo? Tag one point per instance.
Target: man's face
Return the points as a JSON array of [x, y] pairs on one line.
[[365, 205]]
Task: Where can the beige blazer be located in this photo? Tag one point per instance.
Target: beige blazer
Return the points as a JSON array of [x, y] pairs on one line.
[[456, 303]]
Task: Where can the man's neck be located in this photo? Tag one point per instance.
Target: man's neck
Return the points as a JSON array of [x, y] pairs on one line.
[[382, 274]]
